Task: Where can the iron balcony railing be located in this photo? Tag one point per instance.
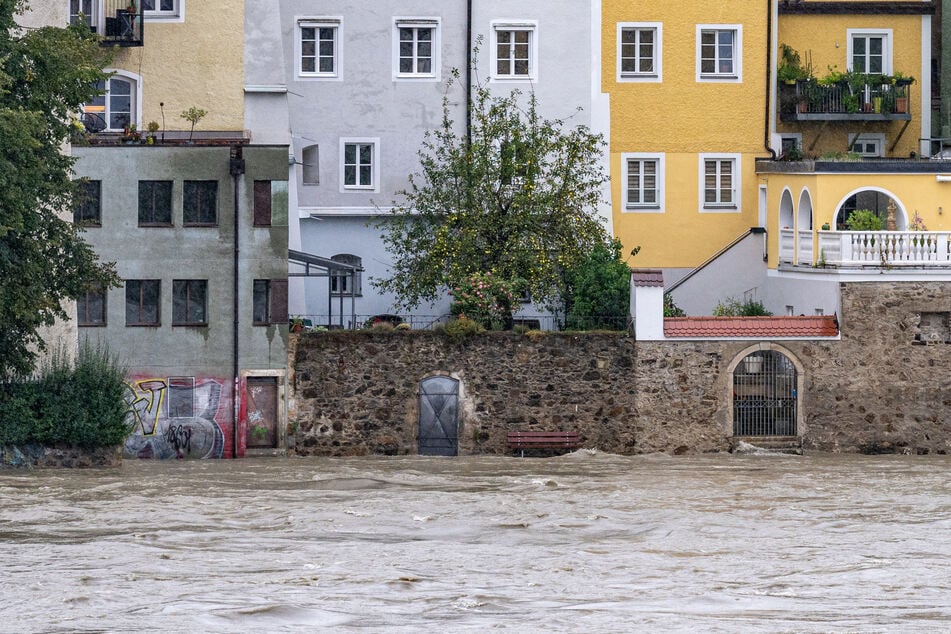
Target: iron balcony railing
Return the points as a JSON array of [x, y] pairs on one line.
[[119, 22], [809, 100]]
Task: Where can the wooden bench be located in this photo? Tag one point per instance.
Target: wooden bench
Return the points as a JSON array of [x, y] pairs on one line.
[[550, 440]]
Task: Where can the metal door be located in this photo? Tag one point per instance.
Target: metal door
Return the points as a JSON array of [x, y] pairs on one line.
[[438, 407], [764, 395], [262, 412]]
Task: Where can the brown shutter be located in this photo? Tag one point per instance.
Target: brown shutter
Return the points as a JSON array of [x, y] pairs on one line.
[[278, 297], [262, 203]]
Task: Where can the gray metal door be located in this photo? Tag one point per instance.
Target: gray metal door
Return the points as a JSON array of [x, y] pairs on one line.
[[438, 407], [764, 395]]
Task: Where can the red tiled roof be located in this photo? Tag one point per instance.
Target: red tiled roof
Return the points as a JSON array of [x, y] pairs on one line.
[[812, 326], [647, 277]]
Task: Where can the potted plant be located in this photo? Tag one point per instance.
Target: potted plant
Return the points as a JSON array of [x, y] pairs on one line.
[[193, 115], [297, 323], [152, 128]]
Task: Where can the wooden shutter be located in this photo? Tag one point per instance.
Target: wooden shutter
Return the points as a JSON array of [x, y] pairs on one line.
[[278, 298], [262, 204]]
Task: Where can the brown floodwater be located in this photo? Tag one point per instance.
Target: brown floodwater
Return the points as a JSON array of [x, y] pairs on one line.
[[588, 542]]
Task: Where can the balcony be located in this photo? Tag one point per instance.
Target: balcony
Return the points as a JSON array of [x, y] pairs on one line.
[[809, 100], [118, 22], [865, 249]]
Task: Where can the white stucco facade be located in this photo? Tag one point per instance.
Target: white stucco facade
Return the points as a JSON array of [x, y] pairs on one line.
[[357, 117]]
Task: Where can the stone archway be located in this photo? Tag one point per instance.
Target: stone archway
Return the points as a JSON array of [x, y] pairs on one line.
[[765, 393]]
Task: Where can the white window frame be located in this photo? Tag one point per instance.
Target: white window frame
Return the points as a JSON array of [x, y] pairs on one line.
[[656, 75], [736, 205], [734, 77], [887, 39], [332, 22], [374, 185], [177, 14], [135, 113], [875, 138], [790, 136], [531, 27], [657, 207], [418, 23]]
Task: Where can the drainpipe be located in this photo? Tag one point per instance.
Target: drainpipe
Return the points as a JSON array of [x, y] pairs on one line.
[[769, 76], [469, 71], [236, 169]]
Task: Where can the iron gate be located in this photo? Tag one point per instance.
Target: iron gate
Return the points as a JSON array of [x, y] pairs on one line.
[[438, 406], [764, 395]]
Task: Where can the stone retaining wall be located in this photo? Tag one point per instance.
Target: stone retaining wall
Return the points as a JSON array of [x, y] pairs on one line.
[[42, 457], [884, 386]]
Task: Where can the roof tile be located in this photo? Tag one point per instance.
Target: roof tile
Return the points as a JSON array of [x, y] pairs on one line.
[[802, 326], [647, 277]]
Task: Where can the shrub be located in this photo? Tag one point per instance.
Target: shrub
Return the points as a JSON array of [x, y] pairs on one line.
[[81, 404], [671, 309], [484, 298], [459, 329], [864, 220], [732, 307]]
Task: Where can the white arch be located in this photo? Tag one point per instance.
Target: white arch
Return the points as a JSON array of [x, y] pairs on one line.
[[805, 213], [901, 216], [786, 217], [136, 80], [800, 382]]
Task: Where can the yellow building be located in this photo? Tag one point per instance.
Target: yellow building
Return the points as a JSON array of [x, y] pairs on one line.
[[168, 61], [687, 85], [783, 116]]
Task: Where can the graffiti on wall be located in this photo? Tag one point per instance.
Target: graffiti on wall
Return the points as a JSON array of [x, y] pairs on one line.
[[176, 417]]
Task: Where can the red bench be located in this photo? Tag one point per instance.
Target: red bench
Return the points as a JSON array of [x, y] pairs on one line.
[[550, 440]]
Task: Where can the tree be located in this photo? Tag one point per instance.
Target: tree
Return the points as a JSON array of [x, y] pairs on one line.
[[600, 290], [45, 75], [519, 201]]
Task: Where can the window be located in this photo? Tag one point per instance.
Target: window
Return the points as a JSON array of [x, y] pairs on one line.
[[358, 163], [142, 302], [200, 203], [416, 53], [311, 167], [867, 144], [181, 396], [270, 203], [319, 48], [718, 52], [638, 51], [514, 51], [155, 203], [720, 182], [116, 106], [162, 8], [269, 302], [346, 281], [790, 145], [87, 205], [189, 302], [870, 51], [91, 307], [642, 181], [82, 10]]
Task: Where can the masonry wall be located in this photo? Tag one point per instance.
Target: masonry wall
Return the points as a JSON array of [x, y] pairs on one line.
[[885, 386]]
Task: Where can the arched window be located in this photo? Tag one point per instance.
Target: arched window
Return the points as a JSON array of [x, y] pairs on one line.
[[343, 282], [765, 397], [873, 200], [115, 108]]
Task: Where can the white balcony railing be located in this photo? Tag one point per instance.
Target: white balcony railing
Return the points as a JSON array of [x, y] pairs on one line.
[[787, 246], [804, 247], [895, 248]]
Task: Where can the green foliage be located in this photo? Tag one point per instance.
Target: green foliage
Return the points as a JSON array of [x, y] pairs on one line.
[[484, 298], [462, 328], [600, 290], [193, 115], [863, 220], [81, 404], [519, 201], [790, 65], [45, 74], [732, 307], [671, 309]]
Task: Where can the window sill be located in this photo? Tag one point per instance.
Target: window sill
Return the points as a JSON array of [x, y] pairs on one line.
[[156, 225], [91, 325], [645, 209], [190, 325], [155, 325], [720, 209], [200, 225]]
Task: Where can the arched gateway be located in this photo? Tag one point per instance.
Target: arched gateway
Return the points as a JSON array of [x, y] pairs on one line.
[[765, 395]]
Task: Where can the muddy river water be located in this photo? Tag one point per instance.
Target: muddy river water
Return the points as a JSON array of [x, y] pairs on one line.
[[582, 543]]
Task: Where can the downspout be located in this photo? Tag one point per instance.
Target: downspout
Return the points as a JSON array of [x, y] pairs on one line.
[[236, 169], [469, 71], [769, 77]]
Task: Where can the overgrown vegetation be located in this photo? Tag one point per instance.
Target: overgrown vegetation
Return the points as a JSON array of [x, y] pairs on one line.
[[600, 290], [45, 75], [732, 307], [457, 330], [671, 309], [80, 404]]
